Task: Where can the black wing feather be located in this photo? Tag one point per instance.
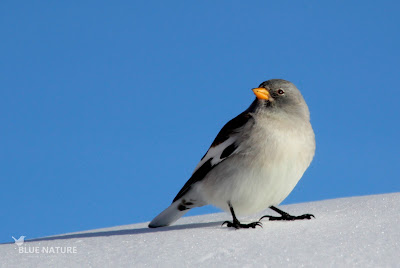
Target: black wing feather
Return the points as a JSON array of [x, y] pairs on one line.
[[230, 128]]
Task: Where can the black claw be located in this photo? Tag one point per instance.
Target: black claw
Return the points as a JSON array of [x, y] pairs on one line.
[[238, 225], [265, 216], [287, 217], [258, 224], [308, 216], [228, 223]]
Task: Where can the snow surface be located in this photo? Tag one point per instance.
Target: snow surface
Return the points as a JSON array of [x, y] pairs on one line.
[[347, 232]]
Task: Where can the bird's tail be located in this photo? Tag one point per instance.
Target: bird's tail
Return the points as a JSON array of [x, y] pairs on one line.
[[169, 215]]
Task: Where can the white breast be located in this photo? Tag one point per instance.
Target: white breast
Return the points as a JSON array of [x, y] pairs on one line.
[[266, 169]]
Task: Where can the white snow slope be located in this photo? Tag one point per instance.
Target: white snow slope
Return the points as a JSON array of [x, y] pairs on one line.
[[347, 232]]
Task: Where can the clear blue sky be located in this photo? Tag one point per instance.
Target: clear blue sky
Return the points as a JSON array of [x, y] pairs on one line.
[[106, 107]]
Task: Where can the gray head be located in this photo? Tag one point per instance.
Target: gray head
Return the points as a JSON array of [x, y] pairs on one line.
[[278, 95]]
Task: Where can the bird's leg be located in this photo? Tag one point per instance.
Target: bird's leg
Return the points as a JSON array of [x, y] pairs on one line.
[[236, 223], [286, 216]]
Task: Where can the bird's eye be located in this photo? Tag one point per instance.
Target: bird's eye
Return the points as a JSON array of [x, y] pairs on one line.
[[280, 91]]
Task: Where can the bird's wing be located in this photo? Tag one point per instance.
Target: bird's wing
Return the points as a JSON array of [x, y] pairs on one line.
[[223, 146]]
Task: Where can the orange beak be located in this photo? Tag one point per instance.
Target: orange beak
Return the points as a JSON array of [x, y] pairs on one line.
[[261, 93]]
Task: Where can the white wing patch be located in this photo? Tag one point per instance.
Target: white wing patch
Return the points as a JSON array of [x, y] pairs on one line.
[[215, 153]]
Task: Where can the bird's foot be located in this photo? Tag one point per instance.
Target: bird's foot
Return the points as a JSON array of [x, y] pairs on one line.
[[238, 225], [288, 217]]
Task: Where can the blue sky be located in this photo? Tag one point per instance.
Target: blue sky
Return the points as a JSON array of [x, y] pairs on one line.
[[106, 107]]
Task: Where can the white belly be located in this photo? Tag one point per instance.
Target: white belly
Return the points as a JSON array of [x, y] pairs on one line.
[[263, 175]]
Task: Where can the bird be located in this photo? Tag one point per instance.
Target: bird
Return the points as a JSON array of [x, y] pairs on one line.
[[254, 162], [19, 241]]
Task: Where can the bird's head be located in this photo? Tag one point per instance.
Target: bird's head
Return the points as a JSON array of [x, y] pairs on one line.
[[281, 95]]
